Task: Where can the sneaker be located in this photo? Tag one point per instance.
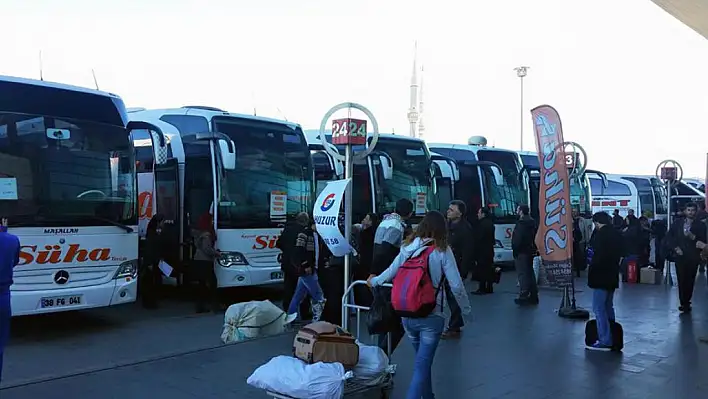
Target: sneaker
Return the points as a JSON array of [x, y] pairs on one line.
[[597, 346], [317, 309]]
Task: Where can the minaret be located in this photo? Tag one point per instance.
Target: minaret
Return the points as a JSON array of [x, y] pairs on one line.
[[413, 110], [421, 112]]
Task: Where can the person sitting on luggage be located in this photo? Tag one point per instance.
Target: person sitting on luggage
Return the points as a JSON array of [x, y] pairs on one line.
[[603, 278]]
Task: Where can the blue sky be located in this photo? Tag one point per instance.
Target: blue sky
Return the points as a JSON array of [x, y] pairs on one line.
[[627, 78]]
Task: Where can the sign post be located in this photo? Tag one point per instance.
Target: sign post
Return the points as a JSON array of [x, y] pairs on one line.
[[669, 171], [349, 132], [576, 168]]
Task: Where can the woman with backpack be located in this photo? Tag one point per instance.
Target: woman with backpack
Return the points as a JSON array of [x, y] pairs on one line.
[[418, 274]]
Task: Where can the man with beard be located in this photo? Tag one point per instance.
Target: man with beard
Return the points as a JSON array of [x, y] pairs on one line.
[[461, 240], [685, 238], [522, 245], [290, 263]]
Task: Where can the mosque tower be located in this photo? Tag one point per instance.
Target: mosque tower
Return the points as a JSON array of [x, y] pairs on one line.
[[413, 110], [421, 112]]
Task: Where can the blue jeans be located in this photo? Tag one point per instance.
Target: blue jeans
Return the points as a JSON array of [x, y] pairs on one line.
[[425, 335], [5, 313], [604, 313], [306, 284]]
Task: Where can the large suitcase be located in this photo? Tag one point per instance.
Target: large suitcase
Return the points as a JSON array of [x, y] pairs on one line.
[[615, 328], [325, 342]]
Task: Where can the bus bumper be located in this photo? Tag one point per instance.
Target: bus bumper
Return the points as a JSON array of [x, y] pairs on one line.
[[114, 292], [503, 256], [239, 276]]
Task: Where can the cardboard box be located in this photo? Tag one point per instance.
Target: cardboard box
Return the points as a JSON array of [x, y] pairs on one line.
[[650, 276]]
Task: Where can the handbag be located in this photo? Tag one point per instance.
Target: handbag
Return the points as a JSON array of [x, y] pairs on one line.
[[381, 317]]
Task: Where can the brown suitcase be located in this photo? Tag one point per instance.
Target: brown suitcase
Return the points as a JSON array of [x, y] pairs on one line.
[[327, 343]]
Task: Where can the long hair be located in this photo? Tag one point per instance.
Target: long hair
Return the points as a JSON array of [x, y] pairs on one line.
[[432, 226]]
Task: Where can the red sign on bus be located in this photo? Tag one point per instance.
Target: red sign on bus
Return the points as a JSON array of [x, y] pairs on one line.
[[349, 131]]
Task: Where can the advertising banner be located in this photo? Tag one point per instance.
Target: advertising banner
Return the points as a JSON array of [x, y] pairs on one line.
[[326, 215], [554, 238]]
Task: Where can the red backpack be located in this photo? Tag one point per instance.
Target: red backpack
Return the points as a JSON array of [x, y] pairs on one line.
[[413, 294]]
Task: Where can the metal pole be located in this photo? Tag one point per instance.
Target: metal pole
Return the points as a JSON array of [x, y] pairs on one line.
[[348, 174], [521, 114], [668, 280]]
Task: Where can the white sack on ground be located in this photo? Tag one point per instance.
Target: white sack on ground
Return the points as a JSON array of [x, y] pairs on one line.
[[253, 319], [373, 365], [293, 377]]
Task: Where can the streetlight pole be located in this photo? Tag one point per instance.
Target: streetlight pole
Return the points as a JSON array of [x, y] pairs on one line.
[[521, 72]]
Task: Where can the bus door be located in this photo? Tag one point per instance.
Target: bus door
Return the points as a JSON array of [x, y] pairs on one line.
[[167, 198]]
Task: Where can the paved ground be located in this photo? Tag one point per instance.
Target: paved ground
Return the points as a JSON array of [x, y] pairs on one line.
[[505, 352]]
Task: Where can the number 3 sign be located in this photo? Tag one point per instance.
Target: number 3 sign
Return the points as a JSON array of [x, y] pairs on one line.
[[349, 131]]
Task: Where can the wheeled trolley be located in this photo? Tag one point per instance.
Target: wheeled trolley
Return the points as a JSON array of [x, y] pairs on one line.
[[353, 387]]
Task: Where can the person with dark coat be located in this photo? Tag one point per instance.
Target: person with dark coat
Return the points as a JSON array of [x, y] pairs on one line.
[[603, 277], [617, 220], [150, 277], [484, 252], [685, 237], [658, 231], [288, 261], [387, 245], [461, 240], [9, 258], [364, 241], [523, 248]]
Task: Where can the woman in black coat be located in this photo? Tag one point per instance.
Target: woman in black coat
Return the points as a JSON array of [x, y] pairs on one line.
[[484, 253]]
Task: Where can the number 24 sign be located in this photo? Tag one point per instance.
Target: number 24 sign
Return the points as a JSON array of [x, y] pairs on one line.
[[349, 131]]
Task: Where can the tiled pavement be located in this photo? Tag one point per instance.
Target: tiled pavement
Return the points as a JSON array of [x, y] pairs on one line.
[[505, 352]]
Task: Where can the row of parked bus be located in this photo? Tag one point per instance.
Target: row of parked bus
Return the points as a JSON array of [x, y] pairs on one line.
[[81, 176]]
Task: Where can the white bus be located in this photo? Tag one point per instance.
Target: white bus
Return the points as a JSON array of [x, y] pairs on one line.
[[68, 189], [489, 177], [615, 193], [399, 167], [257, 171], [580, 192]]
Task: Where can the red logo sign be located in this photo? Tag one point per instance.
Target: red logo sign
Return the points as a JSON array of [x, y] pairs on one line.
[[55, 254], [145, 205], [349, 131], [265, 241], [508, 232]]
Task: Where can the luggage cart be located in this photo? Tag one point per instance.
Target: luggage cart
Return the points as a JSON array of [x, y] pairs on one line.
[[353, 388]]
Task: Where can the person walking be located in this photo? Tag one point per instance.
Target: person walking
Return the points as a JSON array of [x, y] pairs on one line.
[[603, 278], [307, 255], [484, 253], [685, 237], [461, 240], [425, 332], [387, 243], [523, 248], [9, 258], [289, 262]]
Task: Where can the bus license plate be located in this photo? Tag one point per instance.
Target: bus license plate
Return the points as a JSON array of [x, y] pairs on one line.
[[276, 276], [61, 301]]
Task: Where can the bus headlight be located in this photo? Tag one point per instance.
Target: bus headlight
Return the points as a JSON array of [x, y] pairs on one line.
[[127, 269], [498, 244], [228, 259]]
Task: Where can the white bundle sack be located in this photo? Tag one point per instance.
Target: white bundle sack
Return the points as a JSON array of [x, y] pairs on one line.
[[373, 365], [290, 376], [253, 319]]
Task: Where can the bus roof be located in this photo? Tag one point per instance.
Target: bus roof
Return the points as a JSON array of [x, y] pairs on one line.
[[312, 136], [55, 85], [206, 112], [467, 147]]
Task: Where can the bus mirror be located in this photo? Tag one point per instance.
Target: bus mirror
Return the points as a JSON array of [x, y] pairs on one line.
[[386, 167], [228, 154], [338, 166], [157, 138]]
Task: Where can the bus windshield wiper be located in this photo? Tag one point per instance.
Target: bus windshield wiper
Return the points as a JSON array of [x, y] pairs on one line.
[[127, 228]]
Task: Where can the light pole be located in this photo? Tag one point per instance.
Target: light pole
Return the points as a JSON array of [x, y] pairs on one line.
[[521, 72]]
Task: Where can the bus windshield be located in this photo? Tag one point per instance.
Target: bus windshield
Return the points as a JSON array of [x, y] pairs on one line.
[[580, 195], [659, 191], [503, 199], [272, 164], [65, 172], [412, 173]]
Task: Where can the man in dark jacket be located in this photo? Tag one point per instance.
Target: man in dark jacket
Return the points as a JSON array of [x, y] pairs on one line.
[[603, 277], [459, 236], [522, 246], [9, 258], [686, 232], [387, 244], [617, 220], [290, 260]]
